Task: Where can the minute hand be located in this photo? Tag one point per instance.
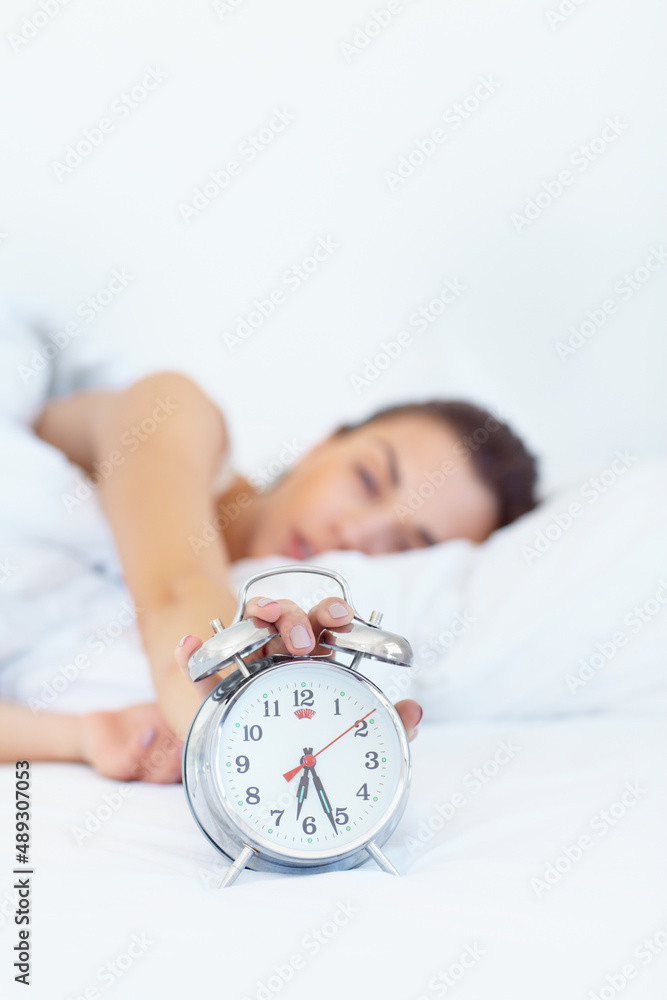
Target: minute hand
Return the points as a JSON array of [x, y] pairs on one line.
[[324, 798]]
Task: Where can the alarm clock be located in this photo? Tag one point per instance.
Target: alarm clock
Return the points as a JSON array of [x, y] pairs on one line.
[[297, 764]]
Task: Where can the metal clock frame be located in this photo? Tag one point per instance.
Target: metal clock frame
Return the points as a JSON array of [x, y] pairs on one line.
[[228, 832]]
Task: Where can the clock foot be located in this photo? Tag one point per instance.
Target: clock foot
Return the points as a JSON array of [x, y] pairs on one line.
[[237, 867], [379, 858]]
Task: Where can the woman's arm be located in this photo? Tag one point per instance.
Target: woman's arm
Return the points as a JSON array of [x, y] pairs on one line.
[[128, 744], [68, 423], [168, 439], [27, 735]]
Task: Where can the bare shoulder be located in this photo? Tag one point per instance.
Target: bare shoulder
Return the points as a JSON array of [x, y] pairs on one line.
[[170, 397], [83, 422]]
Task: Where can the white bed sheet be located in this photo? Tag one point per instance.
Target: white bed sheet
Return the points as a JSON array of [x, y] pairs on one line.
[[471, 884]]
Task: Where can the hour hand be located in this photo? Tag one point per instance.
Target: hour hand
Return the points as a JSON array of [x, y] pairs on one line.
[[302, 790], [324, 799]]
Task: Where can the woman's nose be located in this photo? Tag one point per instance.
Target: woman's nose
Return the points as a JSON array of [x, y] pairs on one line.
[[372, 533]]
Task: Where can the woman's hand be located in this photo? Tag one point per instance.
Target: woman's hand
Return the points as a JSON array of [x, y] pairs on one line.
[[296, 633], [131, 744]]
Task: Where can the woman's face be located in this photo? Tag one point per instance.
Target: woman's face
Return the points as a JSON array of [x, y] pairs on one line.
[[400, 482]]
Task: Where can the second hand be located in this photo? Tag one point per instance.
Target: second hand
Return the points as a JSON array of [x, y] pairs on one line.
[[288, 775]]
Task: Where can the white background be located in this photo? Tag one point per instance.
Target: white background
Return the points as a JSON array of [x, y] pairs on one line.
[[354, 114]]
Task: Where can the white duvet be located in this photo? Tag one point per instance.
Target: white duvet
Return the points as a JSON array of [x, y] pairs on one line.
[[533, 845]]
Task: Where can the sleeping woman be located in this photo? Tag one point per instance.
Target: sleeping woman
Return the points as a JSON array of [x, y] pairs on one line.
[[351, 491]]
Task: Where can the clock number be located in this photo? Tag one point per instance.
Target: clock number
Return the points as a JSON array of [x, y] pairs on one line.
[[363, 792], [307, 697], [372, 761], [341, 816], [309, 824], [252, 733], [337, 704], [364, 728], [266, 709], [242, 764], [279, 814], [252, 795]]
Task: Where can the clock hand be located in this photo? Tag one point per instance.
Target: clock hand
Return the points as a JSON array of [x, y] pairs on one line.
[[325, 800], [302, 790], [288, 775]]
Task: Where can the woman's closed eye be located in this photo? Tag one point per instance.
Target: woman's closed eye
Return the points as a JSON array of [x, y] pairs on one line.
[[368, 480]]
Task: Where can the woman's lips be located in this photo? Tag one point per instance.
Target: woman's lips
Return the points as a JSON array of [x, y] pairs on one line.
[[298, 547]]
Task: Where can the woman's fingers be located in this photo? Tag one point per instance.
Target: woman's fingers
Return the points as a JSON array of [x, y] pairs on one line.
[[157, 756], [265, 608], [290, 620], [330, 613], [411, 715], [132, 744], [188, 645]]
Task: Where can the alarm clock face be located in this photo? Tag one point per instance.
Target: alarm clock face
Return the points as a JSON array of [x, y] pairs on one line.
[[309, 759]]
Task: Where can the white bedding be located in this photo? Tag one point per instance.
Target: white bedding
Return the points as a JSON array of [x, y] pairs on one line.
[[564, 716]]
